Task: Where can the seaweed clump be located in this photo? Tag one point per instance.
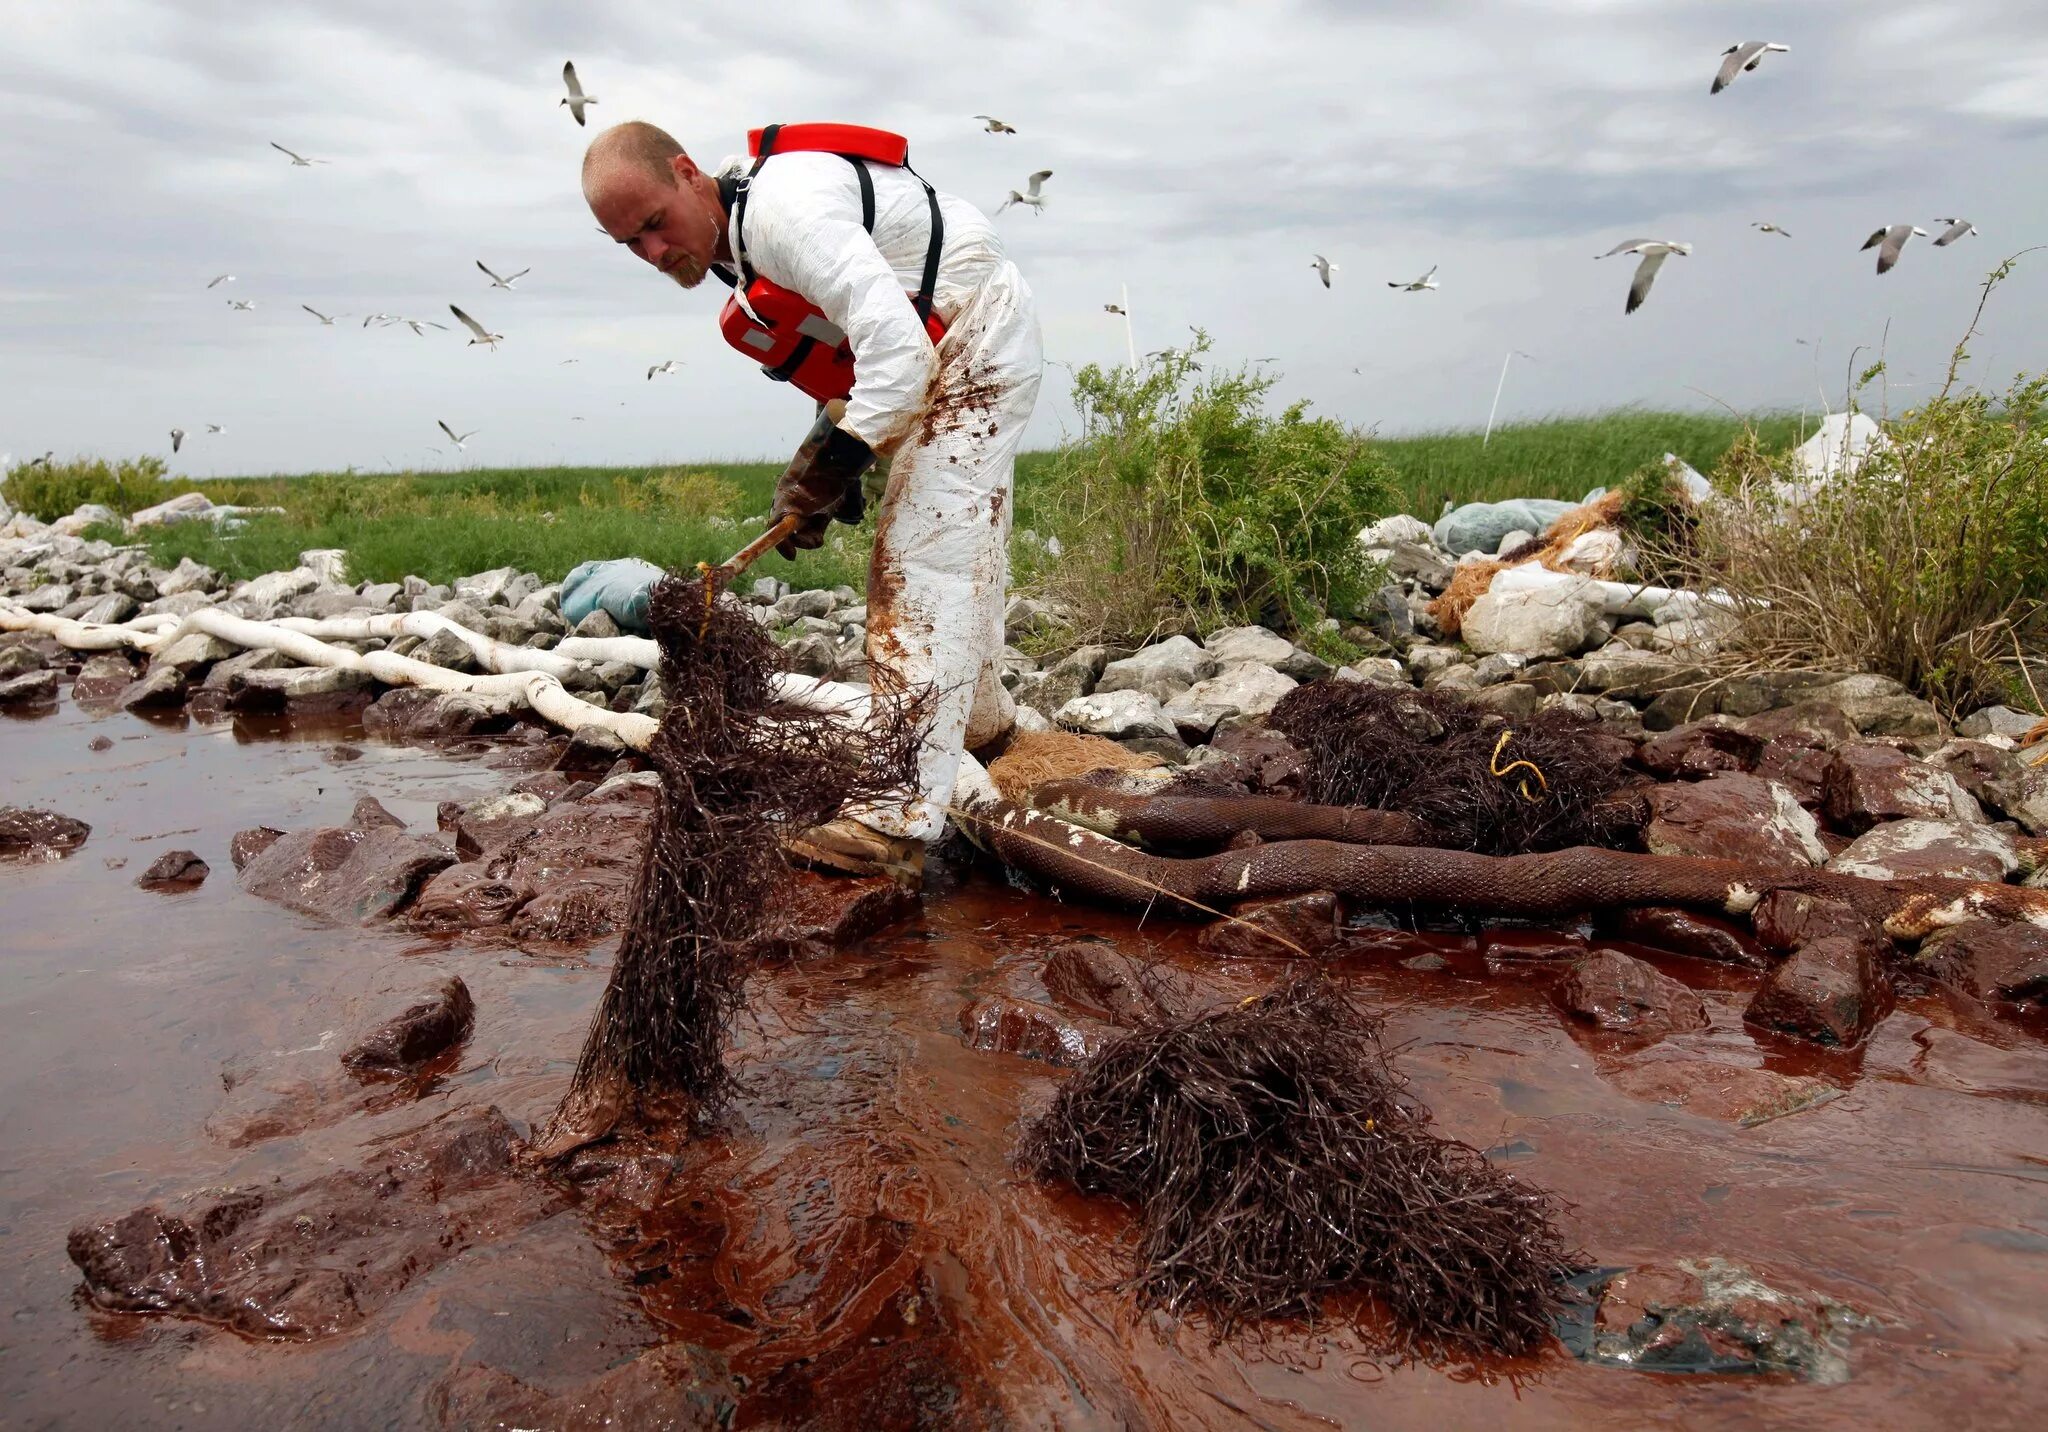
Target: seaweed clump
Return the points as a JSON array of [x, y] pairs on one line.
[[1272, 1156], [740, 767], [1479, 782]]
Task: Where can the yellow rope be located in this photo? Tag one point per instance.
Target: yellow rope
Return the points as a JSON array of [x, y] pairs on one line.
[[1495, 768], [710, 596]]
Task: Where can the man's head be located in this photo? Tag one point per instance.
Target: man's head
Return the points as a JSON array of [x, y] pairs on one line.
[[651, 197]]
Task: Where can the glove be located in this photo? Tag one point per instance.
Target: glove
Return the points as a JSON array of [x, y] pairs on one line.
[[619, 587], [822, 482]]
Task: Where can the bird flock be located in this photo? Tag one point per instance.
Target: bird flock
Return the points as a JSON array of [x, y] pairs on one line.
[[1736, 61]]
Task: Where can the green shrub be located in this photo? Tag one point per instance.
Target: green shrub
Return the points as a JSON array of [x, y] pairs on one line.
[[51, 490], [1928, 565], [1185, 502]]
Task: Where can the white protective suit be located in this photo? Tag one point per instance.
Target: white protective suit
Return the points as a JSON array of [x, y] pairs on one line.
[[950, 423]]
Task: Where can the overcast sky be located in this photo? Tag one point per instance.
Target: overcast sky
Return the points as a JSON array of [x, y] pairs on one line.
[[1201, 153]]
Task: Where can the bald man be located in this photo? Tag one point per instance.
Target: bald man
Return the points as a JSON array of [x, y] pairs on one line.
[[948, 415]]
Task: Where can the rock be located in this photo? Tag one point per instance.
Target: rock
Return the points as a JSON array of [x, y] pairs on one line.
[[1094, 978], [1879, 706], [1026, 615], [1116, 713], [767, 591], [591, 749], [2024, 797], [112, 609], [348, 876], [20, 658], [369, 813], [1233, 646], [302, 690], [1162, 671], [1786, 920], [1989, 959], [1713, 1316], [1009, 1025], [677, 1387], [813, 655], [246, 845], [329, 565], [1832, 991], [797, 605], [1247, 689], [38, 834], [1514, 544], [1625, 995], [411, 714], [1907, 849], [222, 675], [1729, 1092], [1733, 817], [1515, 700], [1991, 774], [1868, 784], [1556, 619], [467, 897], [86, 514], [1691, 932], [1068, 679], [1500, 666], [313, 1260], [1264, 762], [1459, 677], [487, 589], [422, 1031], [274, 587], [1377, 537], [158, 688], [821, 914], [175, 869], [187, 576], [34, 688], [1303, 665], [1997, 721], [1308, 924], [1700, 749], [1479, 526]]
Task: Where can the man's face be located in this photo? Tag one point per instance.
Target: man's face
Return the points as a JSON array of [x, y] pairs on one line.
[[668, 219]]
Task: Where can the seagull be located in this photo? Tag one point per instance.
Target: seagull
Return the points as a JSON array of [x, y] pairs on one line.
[[299, 161], [325, 321], [1779, 230], [489, 340], [1031, 195], [508, 280], [216, 427], [576, 99], [242, 304], [567, 361], [453, 436], [1116, 308], [1957, 229], [220, 279], [1745, 56], [1654, 252], [177, 438], [669, 367], [1427, 281], [1889, 241], [994, 125], [43, 461], [1323, 267], [419, 326]]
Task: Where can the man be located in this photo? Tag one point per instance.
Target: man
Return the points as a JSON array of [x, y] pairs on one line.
[[949, 417]]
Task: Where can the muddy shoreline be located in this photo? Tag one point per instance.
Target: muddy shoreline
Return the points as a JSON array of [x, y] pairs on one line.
[[857, 1246]]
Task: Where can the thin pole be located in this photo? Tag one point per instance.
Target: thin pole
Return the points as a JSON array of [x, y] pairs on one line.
[[1496, 398], [1130, 337]]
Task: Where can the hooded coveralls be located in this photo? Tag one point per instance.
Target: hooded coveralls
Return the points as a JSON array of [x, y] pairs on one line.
[[949, 420]]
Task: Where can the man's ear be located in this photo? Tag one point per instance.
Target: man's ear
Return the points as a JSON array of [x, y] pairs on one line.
[[684, 168]]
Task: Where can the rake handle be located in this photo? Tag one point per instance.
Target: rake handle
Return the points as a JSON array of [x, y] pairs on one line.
[[739, 561]]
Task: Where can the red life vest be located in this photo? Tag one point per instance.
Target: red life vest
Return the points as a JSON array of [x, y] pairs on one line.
[[787, 334]]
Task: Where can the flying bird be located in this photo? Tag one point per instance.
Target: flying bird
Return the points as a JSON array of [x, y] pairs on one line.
[[1957, 229], [488, 339], [325, 321], [1427, 281], [576, 98], [1889, 241], [419, 326], [994, 125], [1745, 56], [177, 439], [1654, 252], [242, 304], [43, 461], [299, 161], [1116, 308], [1032, 195], [567, 361], [1772, 229], [670, 366], [220, 279], [452, 435], [216, 427], [505, 282], [1323, 267]]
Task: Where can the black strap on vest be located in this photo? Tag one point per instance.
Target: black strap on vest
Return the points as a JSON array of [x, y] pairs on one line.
[[733, 191]]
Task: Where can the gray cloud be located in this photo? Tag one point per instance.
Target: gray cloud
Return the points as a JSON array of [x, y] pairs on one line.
[[1201, 152]]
